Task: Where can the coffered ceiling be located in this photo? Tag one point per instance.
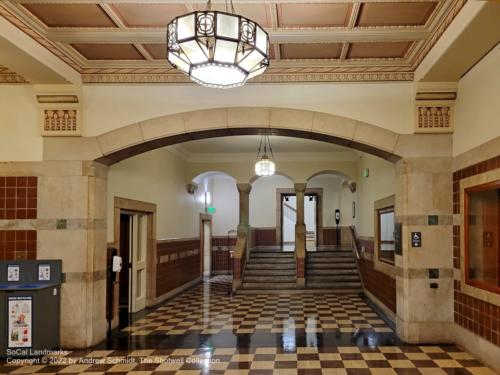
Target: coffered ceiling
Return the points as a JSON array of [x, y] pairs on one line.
[[311, 40]]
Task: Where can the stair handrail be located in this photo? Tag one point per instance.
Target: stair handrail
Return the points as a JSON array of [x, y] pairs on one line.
[[290, 212], [239, 259], [355, 241]]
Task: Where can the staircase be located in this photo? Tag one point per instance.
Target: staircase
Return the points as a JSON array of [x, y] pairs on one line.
[[333, 270], [269, 269]]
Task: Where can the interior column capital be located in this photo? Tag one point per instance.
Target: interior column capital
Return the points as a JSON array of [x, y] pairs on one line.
[[300, 187], [244, 188]]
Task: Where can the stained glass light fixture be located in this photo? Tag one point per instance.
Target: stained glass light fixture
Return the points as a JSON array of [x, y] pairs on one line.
[[265, 165], [217, 49]]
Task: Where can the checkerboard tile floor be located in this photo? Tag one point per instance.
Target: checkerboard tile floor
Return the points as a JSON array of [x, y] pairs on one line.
[[403, 360], [209, 309]]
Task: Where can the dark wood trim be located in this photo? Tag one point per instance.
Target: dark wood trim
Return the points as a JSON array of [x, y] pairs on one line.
[[476, 189], [380, 211]]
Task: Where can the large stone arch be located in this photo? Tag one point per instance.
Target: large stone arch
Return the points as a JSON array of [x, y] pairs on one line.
[[134, 139]]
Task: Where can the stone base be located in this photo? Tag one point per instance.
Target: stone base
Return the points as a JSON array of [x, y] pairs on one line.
[[301, 282], [236, 285], [484, 350], [425, 332]]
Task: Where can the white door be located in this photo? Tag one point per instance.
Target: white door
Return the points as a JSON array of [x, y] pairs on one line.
[[139, 240], [207, 266]]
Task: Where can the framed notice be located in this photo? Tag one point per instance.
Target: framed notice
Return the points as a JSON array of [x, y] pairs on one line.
[[13, 272], [44, 272], [20, 310]]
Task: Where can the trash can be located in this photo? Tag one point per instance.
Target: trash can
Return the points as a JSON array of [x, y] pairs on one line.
[[29, 307]]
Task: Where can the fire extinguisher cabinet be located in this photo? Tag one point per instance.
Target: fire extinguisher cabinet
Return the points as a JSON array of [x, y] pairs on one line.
[[30, 305]]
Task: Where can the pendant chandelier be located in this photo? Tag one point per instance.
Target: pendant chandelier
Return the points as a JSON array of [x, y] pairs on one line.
[[265, 166], [217, 49]]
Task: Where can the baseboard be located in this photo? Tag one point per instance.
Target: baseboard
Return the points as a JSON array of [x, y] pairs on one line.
[[388, 312], [480, 348], [175, 291]]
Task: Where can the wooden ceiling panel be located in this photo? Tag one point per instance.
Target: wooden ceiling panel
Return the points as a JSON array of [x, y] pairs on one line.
[[70, 15], [313, 15], [310, 51], [148, 15], [255, 12], [94, 51], [378, 50], [393, 14]]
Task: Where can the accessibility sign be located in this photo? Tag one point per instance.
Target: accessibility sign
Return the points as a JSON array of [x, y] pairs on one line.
[[416, 239]]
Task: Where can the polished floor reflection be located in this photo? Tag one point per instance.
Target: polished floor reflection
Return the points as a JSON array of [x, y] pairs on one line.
[[206, 330]]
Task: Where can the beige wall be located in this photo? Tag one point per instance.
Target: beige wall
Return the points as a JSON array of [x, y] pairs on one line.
[[381, 183], [20, 138], [477, 109], [157, 177], [226, 202], [263, 200], [108, 107]]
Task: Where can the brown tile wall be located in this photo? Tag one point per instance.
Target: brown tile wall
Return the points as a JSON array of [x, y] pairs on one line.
[[480, 317], [18, 197], [377, 283], [17, 244], [264, 237], [178, 264], [330, 235], [18, 201], [221, 259]]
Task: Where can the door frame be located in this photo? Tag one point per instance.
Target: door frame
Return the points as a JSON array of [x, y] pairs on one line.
[[280, 192], [127, 205], [203, 218]]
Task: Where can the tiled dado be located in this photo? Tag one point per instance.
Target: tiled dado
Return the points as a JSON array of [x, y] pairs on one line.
[[264, 237], [479, 317], [18, 197], [221, 258], [377, 283], [17, 244], [178, 263]]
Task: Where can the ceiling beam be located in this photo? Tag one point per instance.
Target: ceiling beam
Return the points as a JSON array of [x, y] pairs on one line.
[[215, 1], [140, 35], [23, 55], [472, 34]]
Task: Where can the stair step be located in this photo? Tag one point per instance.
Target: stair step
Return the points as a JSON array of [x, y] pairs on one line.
[[269, 279], [323, 265], [330, 271], [271, 255], [269, 272], [332, 278], [330, 254], [270, 266], [269, 286], [271, 260], [334, 285], [330, 260]]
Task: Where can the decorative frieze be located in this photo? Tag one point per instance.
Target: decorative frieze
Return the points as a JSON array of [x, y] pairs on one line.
[[434, 112], [59, 114]]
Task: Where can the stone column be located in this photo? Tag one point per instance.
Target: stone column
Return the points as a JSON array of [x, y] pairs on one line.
[[71, 226], [300, 234], [244, 223], [424, 206]]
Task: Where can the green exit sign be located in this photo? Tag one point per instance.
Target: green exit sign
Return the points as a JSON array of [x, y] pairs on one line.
[[211, 210]]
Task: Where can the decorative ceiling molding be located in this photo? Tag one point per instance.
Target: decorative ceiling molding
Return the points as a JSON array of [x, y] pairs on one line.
[[7, 76], [147, 69]]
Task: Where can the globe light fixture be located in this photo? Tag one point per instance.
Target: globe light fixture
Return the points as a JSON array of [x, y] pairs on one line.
[[217, 49], [265, 165]]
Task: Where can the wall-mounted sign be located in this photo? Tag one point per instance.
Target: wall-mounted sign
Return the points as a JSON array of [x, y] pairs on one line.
[[211, 210], [398, 244], [487, 239], [44, 272], [13, 272], [416, 239], [20, 322], [337, 216]]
